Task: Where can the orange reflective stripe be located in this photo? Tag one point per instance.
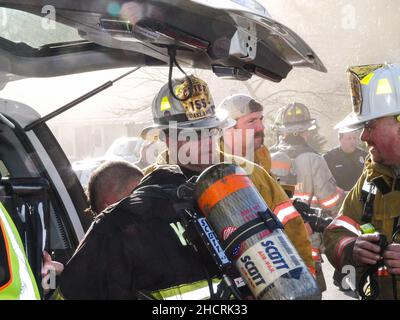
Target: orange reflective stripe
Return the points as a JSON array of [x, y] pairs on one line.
[[313, 271], [382, 272], [286, 212], [347, 223], [314, 199], [222, 189], [349, 220], [315, 254], [331, 201], [3, 232], [343, 242], [280, 165]]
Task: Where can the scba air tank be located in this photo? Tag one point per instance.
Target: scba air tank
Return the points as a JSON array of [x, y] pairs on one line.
[[252, 236]]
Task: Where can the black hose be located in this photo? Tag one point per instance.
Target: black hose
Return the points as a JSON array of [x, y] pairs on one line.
[[172, 61]]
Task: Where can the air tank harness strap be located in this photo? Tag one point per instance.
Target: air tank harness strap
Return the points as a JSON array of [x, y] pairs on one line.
[[368, 196], [265, 220]]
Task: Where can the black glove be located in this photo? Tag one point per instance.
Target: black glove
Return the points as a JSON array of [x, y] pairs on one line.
[[309, 215]]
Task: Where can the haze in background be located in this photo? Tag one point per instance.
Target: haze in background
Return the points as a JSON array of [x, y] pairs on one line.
[[341, 32]]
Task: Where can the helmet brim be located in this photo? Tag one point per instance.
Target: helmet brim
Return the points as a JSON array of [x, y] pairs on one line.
[[352, 121], [356, 122], [298, 126], [346, 129], [152, 132]]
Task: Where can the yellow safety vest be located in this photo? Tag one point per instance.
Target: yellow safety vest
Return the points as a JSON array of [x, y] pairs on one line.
[[19, 283]]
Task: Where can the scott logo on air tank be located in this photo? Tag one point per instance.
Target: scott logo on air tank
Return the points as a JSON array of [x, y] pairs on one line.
[[273, 253]]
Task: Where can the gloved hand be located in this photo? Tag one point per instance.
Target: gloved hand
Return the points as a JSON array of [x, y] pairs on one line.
[[317, 223]]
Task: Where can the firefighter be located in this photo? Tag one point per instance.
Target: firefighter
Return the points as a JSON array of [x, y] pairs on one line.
[[346, 161], [199, 128], [248, 130], [375, 198], [296, 163]]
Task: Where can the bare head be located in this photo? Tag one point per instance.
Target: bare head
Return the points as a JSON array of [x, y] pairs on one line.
[[348, 141], [111, 182]]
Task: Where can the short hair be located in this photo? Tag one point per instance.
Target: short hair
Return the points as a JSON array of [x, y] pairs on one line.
[[255, 106], [111, 176]]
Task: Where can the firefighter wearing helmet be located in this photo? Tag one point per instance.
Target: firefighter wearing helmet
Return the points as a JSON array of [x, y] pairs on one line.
[[370, 213], [295, 162], [179, 115]]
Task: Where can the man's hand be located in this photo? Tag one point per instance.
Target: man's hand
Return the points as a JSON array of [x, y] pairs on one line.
[[49, 264], [391, 258], [365, 251]]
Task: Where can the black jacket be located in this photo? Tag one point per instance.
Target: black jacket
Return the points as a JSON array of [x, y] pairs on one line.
[[346, 168], [132, 247]]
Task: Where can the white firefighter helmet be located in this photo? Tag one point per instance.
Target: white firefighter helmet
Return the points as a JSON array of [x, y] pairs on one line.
[[346, 129], [375, 93], [195, 110], [293, 118], [239, 105]]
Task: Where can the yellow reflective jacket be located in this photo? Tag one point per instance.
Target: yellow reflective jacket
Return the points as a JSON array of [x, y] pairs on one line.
[[263, 158], [16, 279], [274, 196], [341, 234]]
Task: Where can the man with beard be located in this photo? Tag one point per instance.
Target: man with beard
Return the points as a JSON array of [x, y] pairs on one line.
[[375, 198], [246, 138]]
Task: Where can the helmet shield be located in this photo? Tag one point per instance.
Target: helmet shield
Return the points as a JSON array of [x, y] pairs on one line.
[[295, 117], [375, 92], [355, 76], [195, 111]]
